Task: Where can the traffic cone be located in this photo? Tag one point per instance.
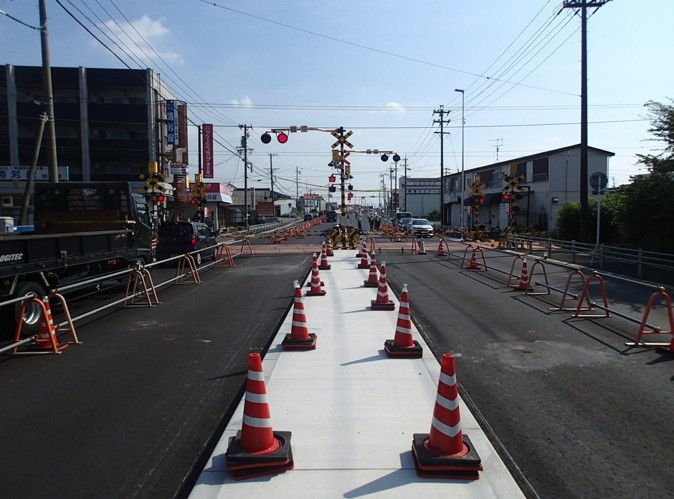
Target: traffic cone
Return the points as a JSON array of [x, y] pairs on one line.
[[441, 249], [402, 345], [257, 449], [422, 247], [524, 278], [299, 337], [316, 289], [314, 264], [373, 277], [328, 249], [46, 336], [473, 265], [382, 302], [324, 259], [363, 250], [446, 452], [364, 261]]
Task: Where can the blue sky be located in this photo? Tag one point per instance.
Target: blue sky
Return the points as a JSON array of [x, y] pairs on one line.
[[379, 68]]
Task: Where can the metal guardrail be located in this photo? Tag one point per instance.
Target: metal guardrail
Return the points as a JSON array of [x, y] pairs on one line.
[[635, 262]]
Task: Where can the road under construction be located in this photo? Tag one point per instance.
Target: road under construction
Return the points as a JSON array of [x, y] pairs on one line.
[[551, 395]]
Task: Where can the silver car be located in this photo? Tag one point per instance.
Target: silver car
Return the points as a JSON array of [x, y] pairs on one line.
[[420, 227]]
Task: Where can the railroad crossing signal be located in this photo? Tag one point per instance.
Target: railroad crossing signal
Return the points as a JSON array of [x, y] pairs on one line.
[[153, 187], [342, 139], [198, 196]]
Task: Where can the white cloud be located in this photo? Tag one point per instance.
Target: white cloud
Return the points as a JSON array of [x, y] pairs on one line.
[[135, 37], [395, 106], [244, 102]]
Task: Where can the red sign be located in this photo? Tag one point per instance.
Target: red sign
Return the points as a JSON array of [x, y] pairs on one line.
[[265, 208], [207, 137]]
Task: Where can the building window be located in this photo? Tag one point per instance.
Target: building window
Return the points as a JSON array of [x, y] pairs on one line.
[[521, 170], [540, 170]]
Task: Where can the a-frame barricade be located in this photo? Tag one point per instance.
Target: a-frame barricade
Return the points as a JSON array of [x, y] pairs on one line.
[[142, 276], [224, 254], [576, 272], [531, 280], [656, 330], [585, 296], [180, 272]]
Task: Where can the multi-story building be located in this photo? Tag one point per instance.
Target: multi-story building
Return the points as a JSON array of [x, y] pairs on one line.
[[110, 124], [545, 181]]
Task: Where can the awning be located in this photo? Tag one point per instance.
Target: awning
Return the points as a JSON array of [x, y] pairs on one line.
[[218, 197]]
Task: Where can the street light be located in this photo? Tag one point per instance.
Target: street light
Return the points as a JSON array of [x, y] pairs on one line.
[[463, 174]]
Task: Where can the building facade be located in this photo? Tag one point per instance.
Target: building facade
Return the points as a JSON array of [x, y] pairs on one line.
[[544, 181]]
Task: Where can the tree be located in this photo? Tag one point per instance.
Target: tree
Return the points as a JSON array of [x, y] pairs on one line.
[[661, 117]]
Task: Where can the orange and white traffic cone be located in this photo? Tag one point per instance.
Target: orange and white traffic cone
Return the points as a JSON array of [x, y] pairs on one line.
[[382, 302], [446, 452], [402, 345], [363, 250], [441, 249], [299, 337], [364, 260], [373, 277], [474, 265], [316, 284], [524, 278], [46, 336], [324, 259], [328, 249], [257, 449]]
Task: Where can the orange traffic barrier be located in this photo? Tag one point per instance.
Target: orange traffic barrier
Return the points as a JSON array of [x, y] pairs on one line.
[[402, 345], [474, 265], [316, 288], [180, 270], [246, 244], [575, 272], [382, 302], [141, 276], [531, 277], [373, 277], [224, 254], [299, 337], [415, 247], [512, 269], [660, 293], [257, 449], [585, 295], [46, 341], [324, 259], [446, 452]]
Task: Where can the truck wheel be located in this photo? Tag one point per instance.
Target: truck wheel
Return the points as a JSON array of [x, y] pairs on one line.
[[31, 316]]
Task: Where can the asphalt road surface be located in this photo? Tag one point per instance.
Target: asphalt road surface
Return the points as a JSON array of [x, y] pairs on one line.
[[135, 410], [131, 411]]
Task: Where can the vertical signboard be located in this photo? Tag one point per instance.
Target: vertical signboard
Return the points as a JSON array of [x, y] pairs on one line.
[[207, 137], [171, 122]]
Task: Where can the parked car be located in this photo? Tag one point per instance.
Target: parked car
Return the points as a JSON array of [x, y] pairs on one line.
[[400, 215], [178, 238], [308, 217], [420, 227], [331, 216]]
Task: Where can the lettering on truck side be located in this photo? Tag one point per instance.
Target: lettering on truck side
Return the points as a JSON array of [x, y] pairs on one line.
[[11, 257]]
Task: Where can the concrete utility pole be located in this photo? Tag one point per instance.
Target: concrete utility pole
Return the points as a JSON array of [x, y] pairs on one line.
[[244, 146], [463, 147], [271, 179], [406, 184], [46, 80], [584, 211], [442, 112]]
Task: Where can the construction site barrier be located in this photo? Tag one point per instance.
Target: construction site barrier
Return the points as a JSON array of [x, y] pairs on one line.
[[180, 272], [565, 293], [512, 269], [585, 295], [50, 344], [141, 275], [660, 293], [224, 254], [473, 263], [529, 291], [246, 244]]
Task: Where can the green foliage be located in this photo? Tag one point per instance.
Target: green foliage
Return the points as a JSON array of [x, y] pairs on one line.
[[661, 117]]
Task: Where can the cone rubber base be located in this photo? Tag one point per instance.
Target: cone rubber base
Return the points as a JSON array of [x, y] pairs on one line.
[[430, 465], [413, 352], [369, 284], [290, 344], [324, 267], [382, 306], [316, 293], [244, 465]]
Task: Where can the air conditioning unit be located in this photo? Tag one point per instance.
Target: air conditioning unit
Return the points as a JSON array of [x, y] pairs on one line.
[[7, 201]]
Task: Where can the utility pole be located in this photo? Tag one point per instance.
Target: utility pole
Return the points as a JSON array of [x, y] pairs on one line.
[[297, 184], [244, 146], [442, 112], [406, 209], [46, 80], [584, 211], [499, 143], [271, 178]]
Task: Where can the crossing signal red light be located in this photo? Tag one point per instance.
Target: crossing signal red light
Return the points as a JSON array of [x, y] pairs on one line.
[[331, 178], [160, 198], [506, 197], [480, 200], [282, 137]]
